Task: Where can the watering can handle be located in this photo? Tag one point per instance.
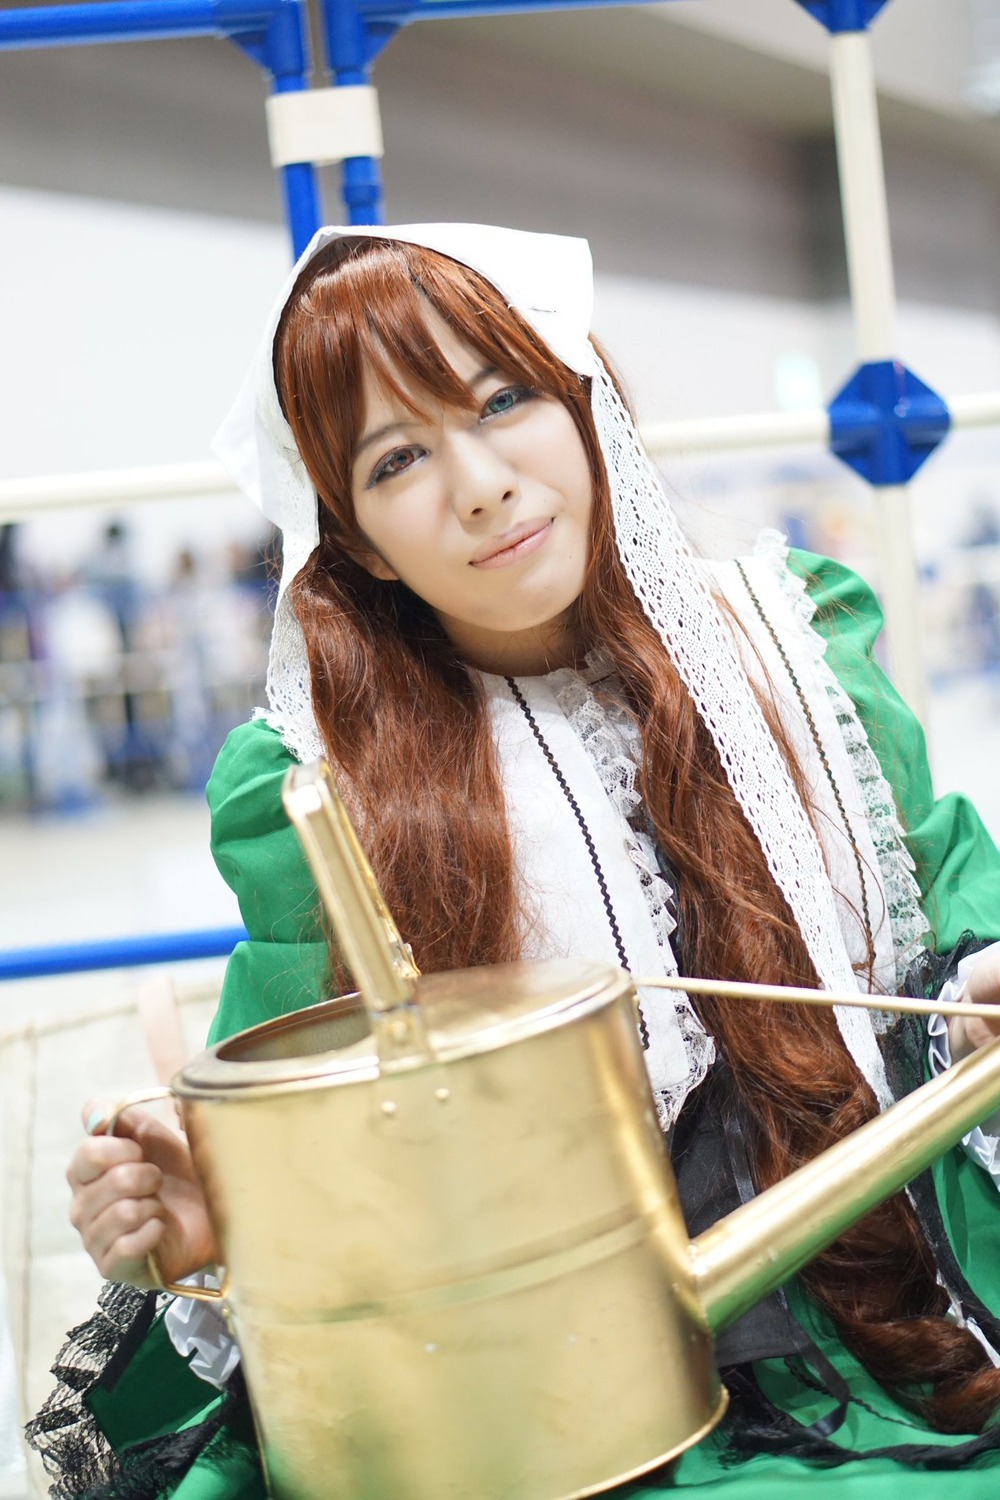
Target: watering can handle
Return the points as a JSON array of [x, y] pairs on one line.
[[382, 964], [107, 1126], [380, 961]]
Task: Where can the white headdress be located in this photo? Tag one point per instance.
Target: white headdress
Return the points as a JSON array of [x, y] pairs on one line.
[[548, 280]]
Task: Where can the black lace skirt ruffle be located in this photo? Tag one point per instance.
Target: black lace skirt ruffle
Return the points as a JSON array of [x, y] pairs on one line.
[[78, 1457], [73, 1448]]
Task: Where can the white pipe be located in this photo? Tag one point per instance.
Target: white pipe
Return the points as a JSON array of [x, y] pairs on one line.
[[22, 498], [873, 299], [863, 196], [767, 429], [787, 429], [980, 410]]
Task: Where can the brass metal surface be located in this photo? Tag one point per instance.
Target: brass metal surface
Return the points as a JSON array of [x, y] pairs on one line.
[[472, 1294], [378, 958], [451, 1297], [746, 1255], [457, 1265]]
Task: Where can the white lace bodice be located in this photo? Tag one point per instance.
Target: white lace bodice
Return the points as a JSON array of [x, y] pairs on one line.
[[594, 704]]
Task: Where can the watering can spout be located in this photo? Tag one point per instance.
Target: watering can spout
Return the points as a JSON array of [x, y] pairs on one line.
[[746, 1255]]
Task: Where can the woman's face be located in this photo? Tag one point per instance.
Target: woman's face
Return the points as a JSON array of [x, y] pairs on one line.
[[484, 514]]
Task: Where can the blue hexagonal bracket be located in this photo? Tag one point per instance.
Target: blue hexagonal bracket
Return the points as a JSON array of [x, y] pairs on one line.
[[886, 422], [843, 15]]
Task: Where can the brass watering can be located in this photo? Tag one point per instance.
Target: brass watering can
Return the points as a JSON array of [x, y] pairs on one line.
[[455, 1260]]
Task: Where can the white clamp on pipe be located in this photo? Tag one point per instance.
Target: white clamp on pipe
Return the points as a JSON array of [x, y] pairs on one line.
[[324, 126]]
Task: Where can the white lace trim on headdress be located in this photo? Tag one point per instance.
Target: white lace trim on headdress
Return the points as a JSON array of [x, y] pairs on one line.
[[283, 477], [611, 737], [290, 710], [677, 600], [896, 867]]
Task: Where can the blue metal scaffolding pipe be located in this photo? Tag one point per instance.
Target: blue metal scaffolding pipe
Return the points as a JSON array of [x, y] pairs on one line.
[[274, 33], [350, 48], [401, 14], [131, 21], [120, 953], [844, 15], [302, 203], [286, 54]]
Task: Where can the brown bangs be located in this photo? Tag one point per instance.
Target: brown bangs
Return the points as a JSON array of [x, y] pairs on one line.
[[363, 305]]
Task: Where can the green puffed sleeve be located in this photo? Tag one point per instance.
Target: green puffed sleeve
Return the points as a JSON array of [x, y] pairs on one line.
[[285, 964], [957, 862]]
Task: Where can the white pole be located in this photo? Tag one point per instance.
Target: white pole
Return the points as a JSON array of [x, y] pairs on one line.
[[767, 429], [873, 298], [22, 498], [979, 410], [862, 195]]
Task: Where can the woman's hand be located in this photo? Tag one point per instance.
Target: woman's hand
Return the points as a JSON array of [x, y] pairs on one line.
[[966, 1033], [135, 1193]]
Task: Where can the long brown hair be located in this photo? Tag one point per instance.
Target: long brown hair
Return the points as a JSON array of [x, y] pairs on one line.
[[407, 723]]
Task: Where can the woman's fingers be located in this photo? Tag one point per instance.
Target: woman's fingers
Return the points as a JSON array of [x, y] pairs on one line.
[[136, 1192], [158, 1143], [95, 1115], [133, 1123], [124, 1234], [979, 1032], [97, 1155], [126, 1258], [966, 1033], [122, 1181], [118, 1214]]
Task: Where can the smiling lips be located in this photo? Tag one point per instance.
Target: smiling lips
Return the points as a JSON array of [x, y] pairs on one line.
[[517, 543]]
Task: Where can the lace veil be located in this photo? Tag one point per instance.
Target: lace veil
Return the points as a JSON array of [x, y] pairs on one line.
[[549, 280]]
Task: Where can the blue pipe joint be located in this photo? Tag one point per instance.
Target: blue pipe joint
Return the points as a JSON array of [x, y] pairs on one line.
[[346, 39], [286, 50], [886, 422], [280, 44], [843, 15]]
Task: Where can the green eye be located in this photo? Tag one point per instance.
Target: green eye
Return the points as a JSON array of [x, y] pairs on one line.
[[506, 400]]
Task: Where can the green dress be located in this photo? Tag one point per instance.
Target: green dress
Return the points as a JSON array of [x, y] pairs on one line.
[[284, 966]]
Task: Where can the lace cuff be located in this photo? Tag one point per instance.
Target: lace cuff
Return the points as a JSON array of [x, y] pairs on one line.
[[200, 1335]]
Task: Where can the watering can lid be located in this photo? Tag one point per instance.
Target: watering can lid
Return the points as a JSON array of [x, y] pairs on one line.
[[466, 1011]]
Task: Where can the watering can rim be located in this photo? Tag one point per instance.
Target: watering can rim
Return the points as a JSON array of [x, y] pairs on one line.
[[468, 1012]]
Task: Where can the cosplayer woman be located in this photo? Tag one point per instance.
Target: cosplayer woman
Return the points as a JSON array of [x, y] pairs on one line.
[[559, 733]]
